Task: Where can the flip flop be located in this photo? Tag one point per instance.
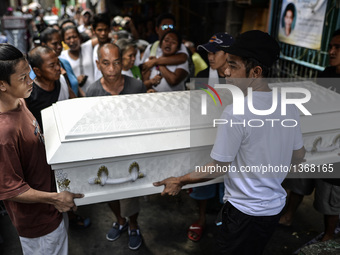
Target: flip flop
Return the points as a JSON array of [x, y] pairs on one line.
[[197, 229]]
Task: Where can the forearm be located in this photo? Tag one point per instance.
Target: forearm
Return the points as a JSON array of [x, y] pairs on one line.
[[177, 59], [201, 174], [146, 79], [146, 75], [173, 185], [134, 31], [35, 196], [172, 78], [63, 201], [192, 178], [149, 83], [298, 156], [81, 92], [167, 75], [71, 93]]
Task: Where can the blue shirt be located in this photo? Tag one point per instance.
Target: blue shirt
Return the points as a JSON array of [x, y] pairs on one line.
[[71, 76]]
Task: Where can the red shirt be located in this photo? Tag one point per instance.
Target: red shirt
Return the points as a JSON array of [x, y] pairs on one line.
[[23, 166]]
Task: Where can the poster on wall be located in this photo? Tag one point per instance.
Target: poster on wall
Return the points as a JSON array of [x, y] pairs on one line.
[[301, 22]]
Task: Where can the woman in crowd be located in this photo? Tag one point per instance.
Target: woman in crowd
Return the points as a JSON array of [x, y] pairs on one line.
[[79, 55], [129, 51], [170, 77]]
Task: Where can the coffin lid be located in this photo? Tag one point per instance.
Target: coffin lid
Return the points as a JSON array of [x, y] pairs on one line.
[[102, 127]]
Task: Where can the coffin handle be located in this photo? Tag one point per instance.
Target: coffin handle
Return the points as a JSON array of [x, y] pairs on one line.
[[103, 173], [317, 145], [336, 140]]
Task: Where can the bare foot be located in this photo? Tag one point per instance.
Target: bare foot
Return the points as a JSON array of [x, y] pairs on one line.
[[285, 221], [326, 238]]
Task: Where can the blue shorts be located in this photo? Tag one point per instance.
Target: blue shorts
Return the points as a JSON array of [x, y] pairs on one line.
[[208, 191]]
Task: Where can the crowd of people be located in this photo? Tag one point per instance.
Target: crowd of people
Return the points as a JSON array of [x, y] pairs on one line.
[[96, 56]]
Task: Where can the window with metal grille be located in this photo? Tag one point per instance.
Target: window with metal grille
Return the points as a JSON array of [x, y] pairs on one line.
[[300, 62]]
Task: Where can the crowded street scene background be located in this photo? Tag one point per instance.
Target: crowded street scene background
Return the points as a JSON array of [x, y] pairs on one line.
[[74, 49]]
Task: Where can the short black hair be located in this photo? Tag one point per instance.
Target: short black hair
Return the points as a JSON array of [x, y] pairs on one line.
[[106, 45], [64, 21], [172, 31], [250, 63], [35, 56], [100, 18], [336, 33], [289, 7], [46, 34], [63, 31], [165, 16], [9, 58]]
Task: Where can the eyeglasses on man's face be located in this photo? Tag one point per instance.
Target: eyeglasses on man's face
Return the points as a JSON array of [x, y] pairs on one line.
[[165, 27]]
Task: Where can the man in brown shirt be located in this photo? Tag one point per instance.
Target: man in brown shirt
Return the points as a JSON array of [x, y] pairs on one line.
[[27, 185]]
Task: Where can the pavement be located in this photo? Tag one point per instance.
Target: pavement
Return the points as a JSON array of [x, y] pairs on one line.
[[164, 222]]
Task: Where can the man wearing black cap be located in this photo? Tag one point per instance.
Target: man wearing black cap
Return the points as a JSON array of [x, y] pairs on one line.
[[216, 56], [253, 199]]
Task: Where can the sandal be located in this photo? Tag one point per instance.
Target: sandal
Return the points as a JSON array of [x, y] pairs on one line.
[[79, 222], [116, 230], [135, 239], [197, 230]]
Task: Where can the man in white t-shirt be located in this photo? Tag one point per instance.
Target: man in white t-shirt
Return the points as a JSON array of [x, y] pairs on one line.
[[79, 55], [253, 200], [101, 29]]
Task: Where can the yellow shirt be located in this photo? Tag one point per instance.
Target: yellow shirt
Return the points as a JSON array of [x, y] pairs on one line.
[[65, 47], [199, 63]]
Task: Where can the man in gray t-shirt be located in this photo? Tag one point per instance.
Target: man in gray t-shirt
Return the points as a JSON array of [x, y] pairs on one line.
[[114, 83], [131, 86]]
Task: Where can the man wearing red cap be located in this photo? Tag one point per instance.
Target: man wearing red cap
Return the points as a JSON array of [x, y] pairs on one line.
[[253, 200]]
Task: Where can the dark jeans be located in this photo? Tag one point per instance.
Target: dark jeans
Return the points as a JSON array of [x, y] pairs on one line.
[[242, 234]]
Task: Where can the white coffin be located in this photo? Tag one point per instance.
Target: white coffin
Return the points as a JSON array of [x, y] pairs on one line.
[[164, 133]]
